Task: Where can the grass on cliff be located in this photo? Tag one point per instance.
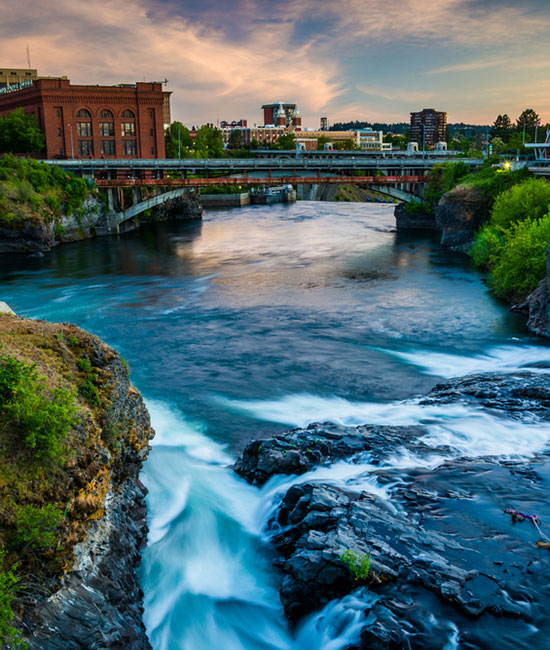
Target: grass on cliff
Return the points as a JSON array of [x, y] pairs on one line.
[[512, 244], [36, 192], [59, 443]]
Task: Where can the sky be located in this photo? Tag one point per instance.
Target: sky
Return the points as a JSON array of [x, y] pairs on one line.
[[370, 60]]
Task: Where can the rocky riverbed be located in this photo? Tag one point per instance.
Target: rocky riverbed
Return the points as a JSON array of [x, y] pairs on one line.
[[447, 563]]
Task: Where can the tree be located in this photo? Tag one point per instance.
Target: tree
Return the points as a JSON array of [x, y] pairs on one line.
[[528, 119], [235, 139], [322, 141], [286, 142], [502, 127], [20, 133], [345, 145], [254, 144], [176, 139], [497, 144], [209, 142]]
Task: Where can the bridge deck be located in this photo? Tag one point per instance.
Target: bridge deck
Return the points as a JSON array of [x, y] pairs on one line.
[[268, 180]]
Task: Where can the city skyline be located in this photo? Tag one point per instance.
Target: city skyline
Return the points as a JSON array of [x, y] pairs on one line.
[[357, 60]]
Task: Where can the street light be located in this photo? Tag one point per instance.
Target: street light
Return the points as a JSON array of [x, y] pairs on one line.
[[72, 143]]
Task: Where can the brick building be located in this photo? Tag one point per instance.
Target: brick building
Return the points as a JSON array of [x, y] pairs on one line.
[[429, 127], [125, 121]]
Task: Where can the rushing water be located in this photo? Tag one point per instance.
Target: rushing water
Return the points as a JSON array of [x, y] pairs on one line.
[[254, 320]]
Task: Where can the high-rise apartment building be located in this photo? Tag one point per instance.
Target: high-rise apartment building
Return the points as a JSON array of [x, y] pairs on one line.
[[428, 127]]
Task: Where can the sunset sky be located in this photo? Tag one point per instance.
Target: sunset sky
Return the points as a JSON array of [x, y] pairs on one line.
[[353, 59]]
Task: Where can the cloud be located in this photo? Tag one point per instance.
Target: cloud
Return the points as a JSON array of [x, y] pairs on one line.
[[415, 96], [105, 41]]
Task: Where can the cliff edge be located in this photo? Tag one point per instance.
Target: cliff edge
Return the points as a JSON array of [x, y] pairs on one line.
[[74, 433]]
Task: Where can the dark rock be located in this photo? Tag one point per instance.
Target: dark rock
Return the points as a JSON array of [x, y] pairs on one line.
[[446, 561], [538, 304], [459, 214], [300, 450], [405, 221], [185, 207]]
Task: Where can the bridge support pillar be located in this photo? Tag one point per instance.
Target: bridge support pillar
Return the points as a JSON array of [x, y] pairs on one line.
[[135, 195]]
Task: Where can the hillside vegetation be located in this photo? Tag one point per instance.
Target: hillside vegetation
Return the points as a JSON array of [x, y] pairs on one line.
[[61, 443], [512, 244], [35, 192]]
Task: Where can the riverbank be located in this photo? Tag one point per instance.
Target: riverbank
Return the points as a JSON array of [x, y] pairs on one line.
[[75, 433], [42, 207]]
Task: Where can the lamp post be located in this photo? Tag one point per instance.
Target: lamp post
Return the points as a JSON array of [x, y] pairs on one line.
[[423, 140], [72, 143], [179, 140]]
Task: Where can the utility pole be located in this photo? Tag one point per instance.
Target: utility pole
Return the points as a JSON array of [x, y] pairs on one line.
[[179, 140]]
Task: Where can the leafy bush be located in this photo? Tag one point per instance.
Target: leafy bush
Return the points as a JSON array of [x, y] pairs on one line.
[[357, 563], [521, 262], [443, 178], [36, 527], [9, 636], [487, 245], [528, 200], [45, 417]]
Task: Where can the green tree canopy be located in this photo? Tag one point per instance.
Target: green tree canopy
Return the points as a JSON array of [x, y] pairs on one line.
[[286, 142], [528, 119], [176, 139], [235, 139], [502, 127], [322, 141], [209, 142], [20, 133]]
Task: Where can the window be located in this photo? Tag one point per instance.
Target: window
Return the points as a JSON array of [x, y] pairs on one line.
[[128, 115], [129, 148], [151, 132], [13, 73], [106, 115], [106, 129], [27, 74], [152, 113], [84, 113], [152, 151], [59, 131], [128, 129], [85, 148], [84, 129], [108, 147], [57, 112]]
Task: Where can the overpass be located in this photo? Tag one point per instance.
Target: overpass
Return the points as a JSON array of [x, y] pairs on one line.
[[155, 181]]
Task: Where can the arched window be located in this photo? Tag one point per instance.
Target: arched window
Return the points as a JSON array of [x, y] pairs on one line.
[[84, 124], [106, 125], [128, 125]]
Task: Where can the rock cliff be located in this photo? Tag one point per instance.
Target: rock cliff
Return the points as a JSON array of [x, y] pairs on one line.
[[82, 591], [537, 304], [459, 214]]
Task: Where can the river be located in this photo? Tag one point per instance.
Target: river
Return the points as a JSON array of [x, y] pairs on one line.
[[252, 321]]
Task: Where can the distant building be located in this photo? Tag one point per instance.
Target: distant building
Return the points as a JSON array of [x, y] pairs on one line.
[[324, 124], [13, 76], [429, 127], [232, 125], [370, 140], [263, 135], [282, 114], [124, 121]]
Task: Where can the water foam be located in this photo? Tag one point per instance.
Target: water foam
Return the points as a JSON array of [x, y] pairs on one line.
[[504, 358]]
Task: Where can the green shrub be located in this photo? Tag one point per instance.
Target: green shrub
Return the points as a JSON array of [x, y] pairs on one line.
[[357, 563], [521, 263], [44, 417], [528, 200], [37, 527], [487, 246], [84, 365], [9, 636]]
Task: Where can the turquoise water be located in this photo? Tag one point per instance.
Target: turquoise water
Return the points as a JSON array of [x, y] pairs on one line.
[[252, 321]]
